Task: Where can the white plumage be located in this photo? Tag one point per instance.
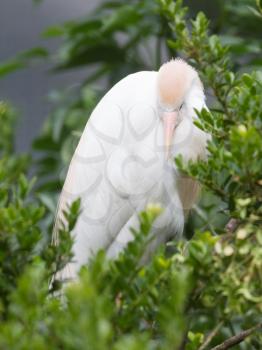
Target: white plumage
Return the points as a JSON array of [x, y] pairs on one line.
[[124, 160]]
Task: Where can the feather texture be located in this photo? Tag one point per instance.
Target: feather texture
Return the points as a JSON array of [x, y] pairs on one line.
[[119, 164]]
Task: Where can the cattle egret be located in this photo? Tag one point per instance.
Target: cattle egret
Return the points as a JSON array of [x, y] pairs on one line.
[[125, 160]]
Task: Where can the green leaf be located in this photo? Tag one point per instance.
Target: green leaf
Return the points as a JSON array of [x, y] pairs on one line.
[[53, 31], [10, 67]]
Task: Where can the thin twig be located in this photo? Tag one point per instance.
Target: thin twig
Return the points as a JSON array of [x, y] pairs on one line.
[[184, 339], [211, 335], [236, 339]]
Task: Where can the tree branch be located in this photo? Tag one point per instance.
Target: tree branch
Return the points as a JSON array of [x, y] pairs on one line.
[[236, 339], [211, 335]]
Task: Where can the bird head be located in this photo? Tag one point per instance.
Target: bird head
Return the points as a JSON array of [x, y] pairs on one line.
[[176, 82]]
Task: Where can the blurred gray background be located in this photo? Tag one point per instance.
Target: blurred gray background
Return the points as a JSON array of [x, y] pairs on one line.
[[21, 25]]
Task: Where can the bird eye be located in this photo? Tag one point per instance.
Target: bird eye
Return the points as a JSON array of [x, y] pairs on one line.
[[181, 107]]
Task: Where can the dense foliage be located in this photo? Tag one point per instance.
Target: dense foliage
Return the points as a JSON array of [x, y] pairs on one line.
[[193, 294]]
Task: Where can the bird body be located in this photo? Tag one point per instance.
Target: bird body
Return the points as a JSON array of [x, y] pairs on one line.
[[124, 160]]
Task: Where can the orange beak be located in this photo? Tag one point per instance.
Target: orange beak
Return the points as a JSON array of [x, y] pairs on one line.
[[170, 120]]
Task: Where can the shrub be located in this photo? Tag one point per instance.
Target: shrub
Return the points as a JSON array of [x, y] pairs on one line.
[[193, 295]]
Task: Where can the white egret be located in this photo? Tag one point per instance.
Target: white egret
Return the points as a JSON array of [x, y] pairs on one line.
[[124, 160]]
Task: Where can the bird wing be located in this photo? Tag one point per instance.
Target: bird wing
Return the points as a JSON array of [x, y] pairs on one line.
[[114, 165]]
